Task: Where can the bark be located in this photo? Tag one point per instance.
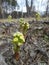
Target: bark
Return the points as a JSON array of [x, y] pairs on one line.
[[29, 8], [47, 8], [2, 13]]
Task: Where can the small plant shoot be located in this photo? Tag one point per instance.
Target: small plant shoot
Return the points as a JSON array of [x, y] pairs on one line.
[[18, 40], [24, 26], [21, 20], [9, 18], [37, 16]]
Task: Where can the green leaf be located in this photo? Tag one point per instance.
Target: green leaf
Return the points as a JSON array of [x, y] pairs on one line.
[[19, 44], [15, 40]]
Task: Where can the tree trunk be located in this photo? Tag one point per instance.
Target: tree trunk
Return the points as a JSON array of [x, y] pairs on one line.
[[29, 8], [47, 8], [2, 13]]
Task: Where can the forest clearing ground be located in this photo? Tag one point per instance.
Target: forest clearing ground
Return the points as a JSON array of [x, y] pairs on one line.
[[26, 19]]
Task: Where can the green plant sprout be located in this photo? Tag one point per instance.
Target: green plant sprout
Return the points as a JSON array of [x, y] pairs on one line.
[[24, 26], [37, 16], [18, 40], [21, 20], [9, 18]]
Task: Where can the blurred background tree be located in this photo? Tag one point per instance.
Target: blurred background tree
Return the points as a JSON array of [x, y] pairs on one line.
[[13, 8], [9, 4]]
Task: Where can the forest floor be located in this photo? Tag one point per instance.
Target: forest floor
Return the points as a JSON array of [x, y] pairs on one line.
[[37, 39], [26, 19]]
